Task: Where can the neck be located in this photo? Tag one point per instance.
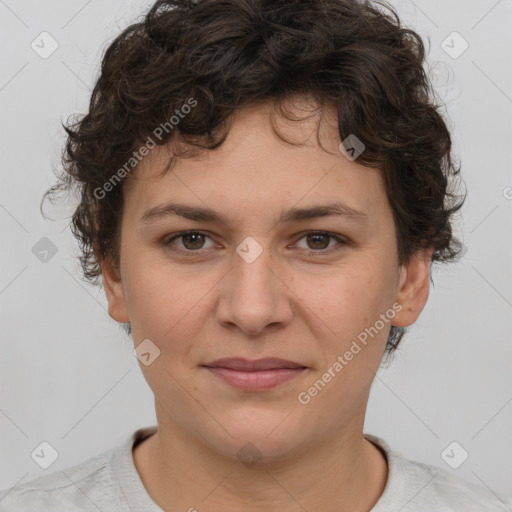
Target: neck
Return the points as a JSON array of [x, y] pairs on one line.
[[344, 473]]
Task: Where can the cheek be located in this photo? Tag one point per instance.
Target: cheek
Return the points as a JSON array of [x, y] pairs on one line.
[[153, 298], [347, 306], [167, 305]]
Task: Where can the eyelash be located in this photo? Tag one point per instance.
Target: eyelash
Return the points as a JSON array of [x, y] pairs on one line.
[[190, 253]]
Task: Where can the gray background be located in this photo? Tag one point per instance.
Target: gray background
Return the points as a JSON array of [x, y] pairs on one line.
[[68, 374]]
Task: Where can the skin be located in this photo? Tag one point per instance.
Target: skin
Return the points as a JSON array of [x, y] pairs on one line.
[[307, 308]]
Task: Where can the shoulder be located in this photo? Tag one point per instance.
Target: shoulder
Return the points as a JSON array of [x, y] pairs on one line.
[[84, 486], [416, 486], [437, 486]]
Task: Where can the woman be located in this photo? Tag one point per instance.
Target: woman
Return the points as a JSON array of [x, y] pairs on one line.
[[263, 189]]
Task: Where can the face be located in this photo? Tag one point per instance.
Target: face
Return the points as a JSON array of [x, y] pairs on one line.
[[262, 281]]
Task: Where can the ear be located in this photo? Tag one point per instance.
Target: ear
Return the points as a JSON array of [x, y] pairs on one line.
[[413, 288], [114, 291]]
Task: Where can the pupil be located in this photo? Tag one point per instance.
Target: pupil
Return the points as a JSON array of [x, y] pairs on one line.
[[188, 237], [316, 236]]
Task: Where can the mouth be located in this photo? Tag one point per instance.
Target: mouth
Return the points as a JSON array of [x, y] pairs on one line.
[[257, 375]]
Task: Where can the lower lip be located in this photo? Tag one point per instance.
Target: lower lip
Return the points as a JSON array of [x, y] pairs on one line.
[[259, 380]]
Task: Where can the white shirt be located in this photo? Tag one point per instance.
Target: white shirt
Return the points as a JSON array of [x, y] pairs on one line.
[[109, 482]]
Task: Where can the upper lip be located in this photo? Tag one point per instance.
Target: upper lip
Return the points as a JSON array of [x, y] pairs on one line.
[[241, 364]]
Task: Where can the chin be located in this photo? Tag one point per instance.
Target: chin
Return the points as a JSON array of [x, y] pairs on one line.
[[265, 435]]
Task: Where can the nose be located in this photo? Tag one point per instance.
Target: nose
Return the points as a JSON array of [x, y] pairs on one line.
[[255, 296]]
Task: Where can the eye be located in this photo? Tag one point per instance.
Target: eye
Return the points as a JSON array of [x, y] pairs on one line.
[[319, 241], [192, 241]]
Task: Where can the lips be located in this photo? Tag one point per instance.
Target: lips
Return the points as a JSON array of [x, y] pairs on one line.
[[245, 365], [257, 375]]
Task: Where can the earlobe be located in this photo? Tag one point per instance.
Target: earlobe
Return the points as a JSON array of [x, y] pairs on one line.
[[413, 288], [114, 292]]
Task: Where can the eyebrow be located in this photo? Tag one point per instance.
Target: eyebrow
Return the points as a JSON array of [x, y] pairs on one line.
[[292, 215]]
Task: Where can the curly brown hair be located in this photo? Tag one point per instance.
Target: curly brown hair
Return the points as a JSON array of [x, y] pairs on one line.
[[231, 54]]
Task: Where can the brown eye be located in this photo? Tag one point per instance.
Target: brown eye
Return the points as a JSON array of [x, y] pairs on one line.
[[191, 241], [320, 242]]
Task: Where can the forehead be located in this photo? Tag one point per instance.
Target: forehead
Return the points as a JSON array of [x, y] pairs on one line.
[[254, 171]]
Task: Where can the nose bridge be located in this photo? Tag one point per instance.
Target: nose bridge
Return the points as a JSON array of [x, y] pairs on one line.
[[252, 277], [253, 297], [252, 264]]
